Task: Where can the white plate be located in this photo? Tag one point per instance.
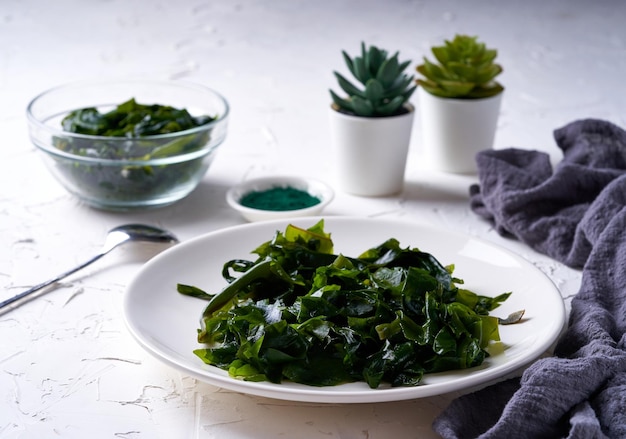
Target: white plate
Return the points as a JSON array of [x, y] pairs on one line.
[[165, 322]]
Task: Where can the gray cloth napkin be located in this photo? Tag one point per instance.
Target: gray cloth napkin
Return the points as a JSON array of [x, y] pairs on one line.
[[575, 213]]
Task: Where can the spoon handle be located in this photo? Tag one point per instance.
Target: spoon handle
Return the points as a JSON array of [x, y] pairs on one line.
[[23, 297]]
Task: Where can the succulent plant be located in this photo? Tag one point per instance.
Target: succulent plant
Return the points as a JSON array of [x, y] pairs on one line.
[[385, 89], [466, 70]]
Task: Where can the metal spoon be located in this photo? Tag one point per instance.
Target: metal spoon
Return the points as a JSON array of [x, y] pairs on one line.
[[115, 237]]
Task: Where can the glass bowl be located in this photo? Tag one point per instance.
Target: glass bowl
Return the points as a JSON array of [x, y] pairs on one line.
[[313, 187], [127, 173]]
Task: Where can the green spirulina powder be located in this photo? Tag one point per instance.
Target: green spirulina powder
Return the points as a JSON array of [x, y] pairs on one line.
[[279, 199]]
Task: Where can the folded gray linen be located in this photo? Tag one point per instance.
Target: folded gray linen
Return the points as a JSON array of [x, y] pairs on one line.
[[576, 214]]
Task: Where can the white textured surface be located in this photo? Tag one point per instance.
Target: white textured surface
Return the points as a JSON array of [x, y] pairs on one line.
[[68, 367]]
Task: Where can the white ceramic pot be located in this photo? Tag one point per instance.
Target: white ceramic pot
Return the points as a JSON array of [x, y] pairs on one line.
[[370, 153], [454, 130]]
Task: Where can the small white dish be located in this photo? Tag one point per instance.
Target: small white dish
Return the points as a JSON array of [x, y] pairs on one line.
[[314, 187]]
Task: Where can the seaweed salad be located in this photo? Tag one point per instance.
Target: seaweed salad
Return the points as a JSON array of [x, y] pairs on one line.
[[301, 313]]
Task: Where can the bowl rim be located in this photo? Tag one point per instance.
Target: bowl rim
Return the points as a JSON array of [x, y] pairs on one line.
[[87, 160], [321, 190], [39, 124]]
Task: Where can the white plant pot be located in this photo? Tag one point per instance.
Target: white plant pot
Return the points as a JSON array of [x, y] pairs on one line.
[[370, 153], [454, 130]]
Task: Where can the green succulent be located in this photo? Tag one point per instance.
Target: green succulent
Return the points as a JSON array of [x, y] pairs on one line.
[[466, 70], [385, 87]]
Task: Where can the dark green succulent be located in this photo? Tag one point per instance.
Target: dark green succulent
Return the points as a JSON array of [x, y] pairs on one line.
[[386, 89], [466, 70]]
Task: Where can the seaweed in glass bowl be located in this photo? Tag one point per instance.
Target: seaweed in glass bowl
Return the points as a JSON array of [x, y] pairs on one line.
[[128, 144]]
